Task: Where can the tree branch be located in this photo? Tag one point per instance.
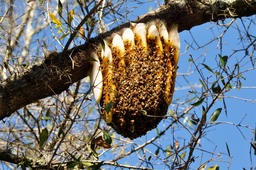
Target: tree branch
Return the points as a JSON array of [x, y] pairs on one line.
[[60, 70]]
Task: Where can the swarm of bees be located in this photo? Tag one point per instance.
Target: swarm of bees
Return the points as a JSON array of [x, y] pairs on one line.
[[133, 76]]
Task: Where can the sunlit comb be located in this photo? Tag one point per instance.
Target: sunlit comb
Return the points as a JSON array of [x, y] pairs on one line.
[[134, 77]]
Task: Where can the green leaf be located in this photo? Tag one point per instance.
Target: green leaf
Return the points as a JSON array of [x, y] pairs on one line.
[[203, 84], [72, 164], [64, 36], [109, 106], [208, 68], [71, 16], [215, 115], [223, 60], [47, 115], [171, 112], [193, 120], [217, 73], [228, 87], [168, 151], [157, 132], [157, 151], [239, 75], [187, 47], [60, 7], [238, 85], [46, 118], [87, 164], [90, 22], [222, 80], [54, 19], [43, 137], [107, 138], [215, 167], [60, 30], [182, 156], [203, 115], [202, 167], [216, 88], [198, 102]]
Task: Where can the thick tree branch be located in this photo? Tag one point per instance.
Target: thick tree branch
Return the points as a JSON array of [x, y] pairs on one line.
[[60, 70]]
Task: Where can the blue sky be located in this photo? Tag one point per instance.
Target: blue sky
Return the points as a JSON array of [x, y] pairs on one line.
[[239, 112]]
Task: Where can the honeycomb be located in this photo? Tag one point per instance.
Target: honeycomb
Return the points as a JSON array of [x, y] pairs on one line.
[[136, 77]]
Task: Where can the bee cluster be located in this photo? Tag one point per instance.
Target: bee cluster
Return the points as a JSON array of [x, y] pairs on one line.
[[134, 78]]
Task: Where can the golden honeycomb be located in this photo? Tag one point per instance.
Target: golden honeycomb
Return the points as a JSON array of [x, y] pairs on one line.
[[134, 77]]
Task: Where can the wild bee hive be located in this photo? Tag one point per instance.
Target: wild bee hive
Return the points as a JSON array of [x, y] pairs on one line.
[[134, 76]]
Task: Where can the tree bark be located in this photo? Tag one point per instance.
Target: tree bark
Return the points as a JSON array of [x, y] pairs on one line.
[[59, 70]]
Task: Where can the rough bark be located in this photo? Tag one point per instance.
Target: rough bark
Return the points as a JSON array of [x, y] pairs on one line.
[[59, 70]]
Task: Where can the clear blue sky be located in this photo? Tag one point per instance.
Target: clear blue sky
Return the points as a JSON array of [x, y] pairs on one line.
[[238, 111]]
